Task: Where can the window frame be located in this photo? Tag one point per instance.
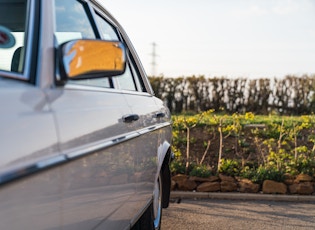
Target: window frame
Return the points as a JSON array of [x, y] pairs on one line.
[[96, 12], [139, 83], [142, 85], [91, 19], [31, 38]]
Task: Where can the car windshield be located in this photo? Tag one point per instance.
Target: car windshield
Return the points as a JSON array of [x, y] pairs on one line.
[[12, 33]]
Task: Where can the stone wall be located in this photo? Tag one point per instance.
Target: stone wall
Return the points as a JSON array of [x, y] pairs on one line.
[[302, 185]]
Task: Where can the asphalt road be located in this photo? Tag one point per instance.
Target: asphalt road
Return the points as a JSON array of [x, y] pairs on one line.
[[232, 214]]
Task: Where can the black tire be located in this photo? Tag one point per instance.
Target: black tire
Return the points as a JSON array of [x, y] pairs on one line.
[[166, 173]]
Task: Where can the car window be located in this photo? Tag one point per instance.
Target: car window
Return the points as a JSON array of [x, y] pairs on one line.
[[138, 79], [126, 80], [130, 80], [108, 32], [72, 21], [12, 33]]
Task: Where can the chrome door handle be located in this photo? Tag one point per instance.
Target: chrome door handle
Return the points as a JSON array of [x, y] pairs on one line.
[[159, 115], [130, 118]]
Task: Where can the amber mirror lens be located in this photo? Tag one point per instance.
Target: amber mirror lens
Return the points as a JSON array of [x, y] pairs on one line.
[[82, 57]]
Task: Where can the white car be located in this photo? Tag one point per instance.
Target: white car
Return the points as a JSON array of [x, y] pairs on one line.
[[84, 142]]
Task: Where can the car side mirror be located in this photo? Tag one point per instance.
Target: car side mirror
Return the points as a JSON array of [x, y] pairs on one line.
[[82, 59]]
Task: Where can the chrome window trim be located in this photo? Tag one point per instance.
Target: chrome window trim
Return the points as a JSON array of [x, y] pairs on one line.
[[103, 12], [73, 86], [29, 169], [72, 154], [65, 157], [130, 92], [100, 145], [13, 75]]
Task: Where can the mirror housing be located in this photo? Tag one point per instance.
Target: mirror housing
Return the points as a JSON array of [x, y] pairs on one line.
[[82, 59]]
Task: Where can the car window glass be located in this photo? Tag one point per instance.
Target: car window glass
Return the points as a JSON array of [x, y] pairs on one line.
[[72, 22], [138, 79], [131, 79], [107, 31], [12, 31], [126, 81]]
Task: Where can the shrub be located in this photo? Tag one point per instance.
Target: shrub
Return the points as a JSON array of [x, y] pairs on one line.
[[177, 167], [200, 171], [262, 173], [304, 164], [229, 167], [249, 173]]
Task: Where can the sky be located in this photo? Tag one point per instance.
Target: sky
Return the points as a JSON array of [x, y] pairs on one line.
[[215, 38]]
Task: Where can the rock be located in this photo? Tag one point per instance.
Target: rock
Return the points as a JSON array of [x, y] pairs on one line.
[[293, 188], [213, 178], [273, 187], [201, 179], [304, 188], [288, 179], [246, 185], [303, 178], [209, 187], [183, 183], [228, 186], [179, 177], [226, 178], [244, 180], [186, 185]]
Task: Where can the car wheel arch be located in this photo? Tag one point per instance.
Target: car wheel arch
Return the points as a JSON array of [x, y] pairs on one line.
[[166, 178]]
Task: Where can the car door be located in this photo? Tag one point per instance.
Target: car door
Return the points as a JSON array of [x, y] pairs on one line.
[[153, 125], [153, 118], [94, 133]]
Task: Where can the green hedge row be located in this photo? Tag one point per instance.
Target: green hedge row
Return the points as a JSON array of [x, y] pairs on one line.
[[291, 95]]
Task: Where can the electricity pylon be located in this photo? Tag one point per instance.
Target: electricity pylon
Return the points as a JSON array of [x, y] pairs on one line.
[[153, 63]]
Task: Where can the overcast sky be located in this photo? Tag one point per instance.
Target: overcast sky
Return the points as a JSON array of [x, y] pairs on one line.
[[234, 38]]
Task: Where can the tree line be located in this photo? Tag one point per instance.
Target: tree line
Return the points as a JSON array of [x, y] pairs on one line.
[[290, 95]]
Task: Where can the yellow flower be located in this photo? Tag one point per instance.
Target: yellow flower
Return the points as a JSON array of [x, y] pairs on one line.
[[249, 116]]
